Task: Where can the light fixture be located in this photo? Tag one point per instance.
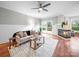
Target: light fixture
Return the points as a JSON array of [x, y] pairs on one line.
[[40, 9]]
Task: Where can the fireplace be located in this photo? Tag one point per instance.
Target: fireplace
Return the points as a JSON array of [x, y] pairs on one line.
[[64, 33]]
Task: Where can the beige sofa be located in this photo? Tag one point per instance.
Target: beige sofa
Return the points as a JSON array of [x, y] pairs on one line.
[[22, 37]]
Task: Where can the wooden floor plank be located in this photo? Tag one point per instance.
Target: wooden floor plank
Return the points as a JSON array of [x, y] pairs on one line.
[[4, 50]]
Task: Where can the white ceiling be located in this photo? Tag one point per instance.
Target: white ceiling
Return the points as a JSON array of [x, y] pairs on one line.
[[67, 8]]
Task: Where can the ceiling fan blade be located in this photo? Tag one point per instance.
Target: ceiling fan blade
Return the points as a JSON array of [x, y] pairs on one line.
[[47, 5], [35, 8], [45, 10]]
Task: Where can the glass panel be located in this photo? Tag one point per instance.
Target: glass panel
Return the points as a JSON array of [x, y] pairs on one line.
[[75, 26]]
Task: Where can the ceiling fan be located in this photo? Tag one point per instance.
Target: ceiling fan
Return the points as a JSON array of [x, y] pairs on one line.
[[42, 7]]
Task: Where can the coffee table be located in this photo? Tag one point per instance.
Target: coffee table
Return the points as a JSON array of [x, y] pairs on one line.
[[36, 42]]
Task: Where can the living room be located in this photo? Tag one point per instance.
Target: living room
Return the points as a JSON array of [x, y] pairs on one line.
[[39, 26]]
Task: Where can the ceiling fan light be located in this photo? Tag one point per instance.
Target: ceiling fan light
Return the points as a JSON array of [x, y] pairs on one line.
[[40, 9]]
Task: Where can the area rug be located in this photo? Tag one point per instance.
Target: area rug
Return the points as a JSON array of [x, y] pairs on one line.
[[46, 50]]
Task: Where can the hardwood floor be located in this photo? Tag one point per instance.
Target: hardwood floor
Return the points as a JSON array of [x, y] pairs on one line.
[[67, 48], [62, 49], [4, 50]]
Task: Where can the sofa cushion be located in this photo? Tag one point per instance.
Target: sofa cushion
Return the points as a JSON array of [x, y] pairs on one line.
[[32, 32], [25, 38], [28, 33], [17, 36], [21, 34], [24, 34]]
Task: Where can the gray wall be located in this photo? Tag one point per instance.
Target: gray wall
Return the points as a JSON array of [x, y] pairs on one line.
[[11, 22], [11, 17]]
